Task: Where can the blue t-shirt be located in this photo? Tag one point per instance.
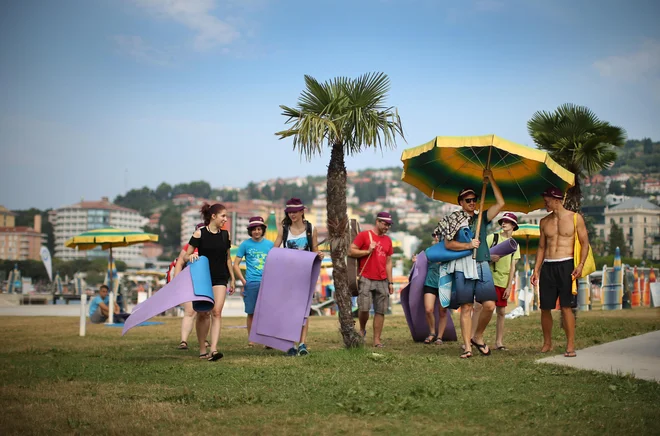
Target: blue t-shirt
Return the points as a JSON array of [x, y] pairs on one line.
[[433, 275], [96, 301], [255, 257]]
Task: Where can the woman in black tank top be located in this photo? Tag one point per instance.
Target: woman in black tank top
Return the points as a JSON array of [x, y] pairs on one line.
[[214, 243]]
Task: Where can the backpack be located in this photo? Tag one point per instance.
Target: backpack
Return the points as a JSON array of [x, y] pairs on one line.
[[308, 227]]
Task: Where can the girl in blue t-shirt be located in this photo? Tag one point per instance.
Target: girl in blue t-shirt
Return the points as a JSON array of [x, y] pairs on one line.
[[254, 250]]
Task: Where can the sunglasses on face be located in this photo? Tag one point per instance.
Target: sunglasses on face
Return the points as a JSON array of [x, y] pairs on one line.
[[470, 200], [386, 224]]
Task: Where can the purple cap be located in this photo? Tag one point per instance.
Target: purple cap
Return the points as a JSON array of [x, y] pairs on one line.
[[294, 205], [385, 217], [554, 193], [510, 217], [256, 221]]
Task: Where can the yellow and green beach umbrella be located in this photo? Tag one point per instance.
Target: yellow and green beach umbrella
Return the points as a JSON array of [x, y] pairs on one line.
[[527, 236], [445, 165]]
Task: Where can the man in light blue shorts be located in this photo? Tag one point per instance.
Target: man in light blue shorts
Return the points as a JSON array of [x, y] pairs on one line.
[[254, 250], [478, 286]]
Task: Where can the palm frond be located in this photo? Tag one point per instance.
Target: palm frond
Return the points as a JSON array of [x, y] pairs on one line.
[[351, 112]]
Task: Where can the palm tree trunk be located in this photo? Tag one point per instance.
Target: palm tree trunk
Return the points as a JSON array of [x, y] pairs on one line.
[[574, 196], [337, 229]]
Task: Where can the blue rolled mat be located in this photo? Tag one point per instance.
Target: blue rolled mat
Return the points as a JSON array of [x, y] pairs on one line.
[[439, 253]]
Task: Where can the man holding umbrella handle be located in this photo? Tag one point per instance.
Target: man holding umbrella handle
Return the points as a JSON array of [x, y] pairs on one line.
[[473, 283]]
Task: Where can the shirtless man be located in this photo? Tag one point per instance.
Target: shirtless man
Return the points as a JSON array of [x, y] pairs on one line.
[[554, 269]]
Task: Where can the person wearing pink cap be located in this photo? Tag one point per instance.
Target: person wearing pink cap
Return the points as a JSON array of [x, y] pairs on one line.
[[296, 233], [374, 249], [554, 270], [503, 270], [254, 250]]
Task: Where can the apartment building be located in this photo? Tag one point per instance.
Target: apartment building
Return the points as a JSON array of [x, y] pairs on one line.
[[20, 243], [72, 220], [640, 221]]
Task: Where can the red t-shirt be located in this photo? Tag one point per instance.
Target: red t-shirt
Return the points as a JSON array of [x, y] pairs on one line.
[[170, 270], [376, 266]]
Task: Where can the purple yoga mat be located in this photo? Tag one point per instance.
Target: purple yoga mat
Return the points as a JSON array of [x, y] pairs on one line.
[[180, 290], [285, 297], [412, 301], [504, 248]]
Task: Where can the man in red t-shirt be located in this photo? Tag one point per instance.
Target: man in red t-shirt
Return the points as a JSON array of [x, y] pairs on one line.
[[374, 249]]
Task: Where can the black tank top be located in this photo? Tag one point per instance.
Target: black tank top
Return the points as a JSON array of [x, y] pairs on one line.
[[214, 246]]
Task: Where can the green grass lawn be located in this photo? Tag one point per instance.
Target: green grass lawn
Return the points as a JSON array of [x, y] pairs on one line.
[[56, 382]]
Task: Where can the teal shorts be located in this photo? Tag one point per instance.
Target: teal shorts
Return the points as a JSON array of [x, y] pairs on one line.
[[250, 294]]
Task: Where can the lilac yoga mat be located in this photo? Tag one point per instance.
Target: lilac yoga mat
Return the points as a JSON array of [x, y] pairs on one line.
[[412, 301], [504, 248], [285, 297], [191, 284]]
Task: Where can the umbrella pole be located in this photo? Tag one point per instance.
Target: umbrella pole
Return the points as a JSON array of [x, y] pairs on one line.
[[481, 203], [111, 300]]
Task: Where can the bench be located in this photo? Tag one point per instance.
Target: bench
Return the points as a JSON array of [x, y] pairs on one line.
[[317, 309], [66, 298]]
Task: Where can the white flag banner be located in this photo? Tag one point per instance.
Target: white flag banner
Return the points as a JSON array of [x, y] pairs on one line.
[[48, 263]]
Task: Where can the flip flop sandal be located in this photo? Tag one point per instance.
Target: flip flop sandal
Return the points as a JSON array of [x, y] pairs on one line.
[[430, 339], [438, 342], [379, 346], [183, 345], [204, 356], [466, 354], [501, 348], [570, 354], [481, 347], [215, 355]]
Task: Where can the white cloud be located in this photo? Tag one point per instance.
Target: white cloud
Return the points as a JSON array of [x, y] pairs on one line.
[[197, 15], [640, 67], [135, 47], [632, 67]]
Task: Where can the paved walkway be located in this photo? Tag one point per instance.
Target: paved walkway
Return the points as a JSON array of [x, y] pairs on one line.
[[638, 356]]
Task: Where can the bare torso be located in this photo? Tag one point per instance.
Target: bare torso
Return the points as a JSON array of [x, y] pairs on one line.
[[559, 234]]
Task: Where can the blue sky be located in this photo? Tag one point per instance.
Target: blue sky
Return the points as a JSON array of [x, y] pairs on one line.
[[103, 95]]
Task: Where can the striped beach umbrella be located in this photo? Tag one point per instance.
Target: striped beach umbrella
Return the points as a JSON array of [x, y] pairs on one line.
[[527, 236], [445, 165], [271, 227]]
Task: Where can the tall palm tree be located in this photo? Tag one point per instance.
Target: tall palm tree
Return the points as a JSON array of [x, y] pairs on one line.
[[348, 115], [579, 141]]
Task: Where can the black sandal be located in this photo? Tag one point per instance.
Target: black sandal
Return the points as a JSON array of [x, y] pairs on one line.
[[204, 356], [430, 339], [183, 345], [466, 354], [481, 347], [215, 355]]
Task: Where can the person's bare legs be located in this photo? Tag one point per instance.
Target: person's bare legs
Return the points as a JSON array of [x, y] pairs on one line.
[[466, 326], [476, 313], [443, 322], [249, 327], [499, 327], [363, 317], [202, 324], [379, 321], [429, 310], [569, 329], [484, 318], [219, 293], [303, 332], [188, 321], [546, 325]]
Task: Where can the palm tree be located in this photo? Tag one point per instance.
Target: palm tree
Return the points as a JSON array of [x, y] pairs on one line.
[[348, 115], [577, 140]]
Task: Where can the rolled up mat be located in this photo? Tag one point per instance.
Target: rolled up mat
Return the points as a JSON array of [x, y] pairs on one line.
[[412, 302], [285, 297], [191, 284], [439, 253], [504, 248]]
